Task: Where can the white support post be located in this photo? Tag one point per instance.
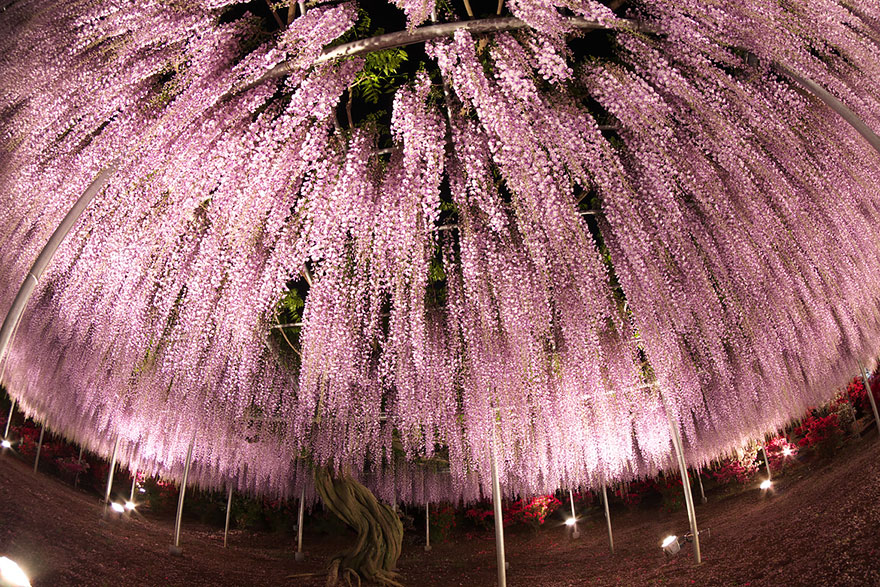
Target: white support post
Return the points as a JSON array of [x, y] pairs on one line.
[[575, 534], [9, 421], [685, 482], [134, 476], [608, 518], [110, 475], [499, 525], [175, 547], [700, 481], [867, 383], [427, 526], [300, 555], [79, 462], [228, 512], [766, 462], [39, 448]]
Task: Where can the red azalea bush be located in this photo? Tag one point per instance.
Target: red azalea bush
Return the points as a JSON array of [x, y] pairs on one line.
[[442, 521], [820, 432], [28, 434], [532, 512], [632, 494], [670, 487], [71, 466], [856, 395], [480, 515], [740, 469], [779, 451]]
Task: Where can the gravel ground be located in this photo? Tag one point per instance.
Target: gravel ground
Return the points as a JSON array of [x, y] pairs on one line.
[[820, 526]]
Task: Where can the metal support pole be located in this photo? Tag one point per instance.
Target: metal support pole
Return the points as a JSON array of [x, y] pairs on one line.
[[39, 448], [427, 526], [79, 462], [499, 526], [702, 493], [833, 103], [766, 462], [608, 518], [134, 476], [300, 555], [9, 421], [867, 383], [175, 548], [110, 476], [228, 511], [575, 534], [685, 482], [13, 316]]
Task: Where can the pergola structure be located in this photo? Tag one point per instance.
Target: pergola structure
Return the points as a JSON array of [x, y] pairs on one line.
[[527, 348]]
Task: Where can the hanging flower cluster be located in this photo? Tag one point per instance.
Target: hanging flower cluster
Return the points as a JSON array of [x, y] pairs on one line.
[[460, 309]]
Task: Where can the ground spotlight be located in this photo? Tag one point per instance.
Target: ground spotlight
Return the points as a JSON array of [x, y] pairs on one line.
[[130, 505], [766, 484], [570, 522], [117, 507], [11, 574], [787, 451], [5, 443], [670, 545]]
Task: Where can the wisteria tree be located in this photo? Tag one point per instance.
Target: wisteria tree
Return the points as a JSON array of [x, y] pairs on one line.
[[370, 265]]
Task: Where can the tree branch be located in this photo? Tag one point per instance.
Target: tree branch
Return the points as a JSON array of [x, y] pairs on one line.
[[419, 35]]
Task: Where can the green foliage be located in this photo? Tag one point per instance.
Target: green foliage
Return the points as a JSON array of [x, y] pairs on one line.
[[291, 305], [264, 515], [380, 75], [435, 271]]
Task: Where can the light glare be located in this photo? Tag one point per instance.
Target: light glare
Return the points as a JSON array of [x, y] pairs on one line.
[[129, 505], [786, 451], [6, 444], [766, 484], [570, 522], [668, 540], [11, 573], [117, 507]]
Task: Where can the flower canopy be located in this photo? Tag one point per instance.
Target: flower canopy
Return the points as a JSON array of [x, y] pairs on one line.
[[561, 249]]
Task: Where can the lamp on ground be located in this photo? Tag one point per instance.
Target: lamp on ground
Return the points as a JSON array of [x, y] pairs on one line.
[[766, 484], [570, 522], [5, 443], [11, 574], [670, 545], [130, 505], [117, 507]]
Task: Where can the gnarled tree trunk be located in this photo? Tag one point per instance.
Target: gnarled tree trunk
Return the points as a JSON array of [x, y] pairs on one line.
[[379, 531]]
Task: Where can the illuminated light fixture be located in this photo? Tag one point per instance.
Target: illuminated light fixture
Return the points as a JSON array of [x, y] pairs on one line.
[[117, 507], [766, 484], [787, 451], [570, 522], [670, 545], [130, 505], [6, 444], [11, 574], [142, 490]]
